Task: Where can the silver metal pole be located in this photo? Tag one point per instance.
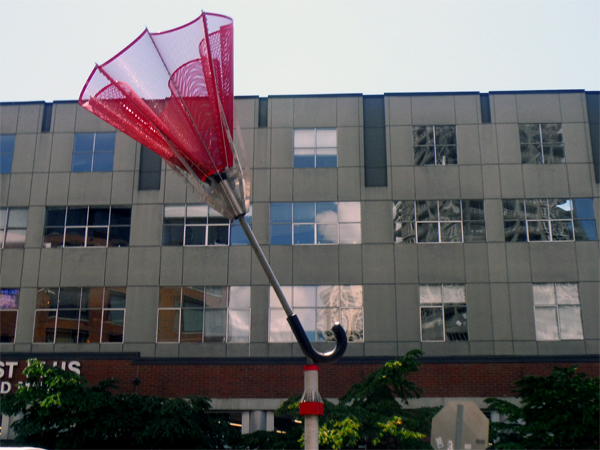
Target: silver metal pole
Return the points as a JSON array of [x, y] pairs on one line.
[[265, 265]]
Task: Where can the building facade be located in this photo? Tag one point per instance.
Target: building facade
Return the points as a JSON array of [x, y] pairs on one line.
[[462, 224]]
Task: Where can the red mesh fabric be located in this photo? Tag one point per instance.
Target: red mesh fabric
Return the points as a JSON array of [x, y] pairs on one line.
[[172, 92]]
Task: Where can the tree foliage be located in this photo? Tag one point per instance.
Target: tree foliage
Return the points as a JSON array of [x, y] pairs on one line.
[[371, 412], [557, 411], [59, 410]]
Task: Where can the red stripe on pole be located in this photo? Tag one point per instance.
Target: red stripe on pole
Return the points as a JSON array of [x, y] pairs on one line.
[[312, 409], [311, 367]]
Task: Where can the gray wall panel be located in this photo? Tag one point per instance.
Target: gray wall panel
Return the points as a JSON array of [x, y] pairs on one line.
[[50, 267], [501, 316], [571, 107], [144, 266], [437, 182], [350, 264], [90, 188], [117, 263], [24, 153], [312, 112], [20, 189], [378, 263], [316, 265], [315, 185], [171, 266], [521, 311], [553, 261], [517, 257], [204, 266], [348, 113], [441, 263], [83, 267], [407, 312], [29, 118], [538, 108], [11, 267]]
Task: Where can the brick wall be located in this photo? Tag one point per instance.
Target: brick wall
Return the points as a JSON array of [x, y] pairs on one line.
[[286, 380]]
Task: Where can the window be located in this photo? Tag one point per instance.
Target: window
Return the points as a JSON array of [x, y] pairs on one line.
[[315, 147], [439, 221], [315, 223], [9, 303], [80, 315], [435, 145], [443, 312], [551, 219], [201, 225], [204, 314], [83, 226], [374, 140], [557, 312], [318, 308], [13, 227], [541, 143], [150, 170], [47, 117], [93, 152], [7, 148]]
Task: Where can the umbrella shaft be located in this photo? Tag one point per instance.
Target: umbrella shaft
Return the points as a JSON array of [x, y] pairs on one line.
[[265, 265]]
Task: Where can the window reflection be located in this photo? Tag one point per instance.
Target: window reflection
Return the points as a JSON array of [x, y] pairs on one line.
[[557, 311], [553, 219], [309, 223], [435, 221], [443, 312], [204, 314], [80, 315], [319, 308]]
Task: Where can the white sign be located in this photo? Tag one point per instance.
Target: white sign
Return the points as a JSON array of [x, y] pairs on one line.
[[460, 425], [7, 371]]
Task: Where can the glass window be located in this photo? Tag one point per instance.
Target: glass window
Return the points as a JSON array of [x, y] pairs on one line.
[[93, 152], [541, 143], [435, 145], [204, 314], [9, 304], [194, 225], [80, 315], [439, 221], [549, 219], [13, 227], [318, 308], [443, 312], [557, 312], [315, 147], [308, 223], [85, 226], [7, 149]]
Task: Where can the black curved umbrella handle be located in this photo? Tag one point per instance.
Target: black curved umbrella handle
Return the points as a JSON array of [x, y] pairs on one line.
[[341, 342]]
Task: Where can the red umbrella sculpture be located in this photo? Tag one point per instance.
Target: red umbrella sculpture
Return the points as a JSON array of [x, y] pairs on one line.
[[173, 92]]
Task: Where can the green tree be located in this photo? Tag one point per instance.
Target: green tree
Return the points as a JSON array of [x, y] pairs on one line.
[[557, 411], [59, 410], [370, 413]]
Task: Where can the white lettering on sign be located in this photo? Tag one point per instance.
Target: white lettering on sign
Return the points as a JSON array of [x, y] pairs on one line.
[[7, 369]]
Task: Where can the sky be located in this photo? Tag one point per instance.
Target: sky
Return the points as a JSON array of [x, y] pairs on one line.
[[48, 48]]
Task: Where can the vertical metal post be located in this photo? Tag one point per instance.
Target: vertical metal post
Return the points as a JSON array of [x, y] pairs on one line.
[[460, 416], [311, 406]]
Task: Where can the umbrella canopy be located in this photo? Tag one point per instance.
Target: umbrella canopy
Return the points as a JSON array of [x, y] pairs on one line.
[[173, 92]]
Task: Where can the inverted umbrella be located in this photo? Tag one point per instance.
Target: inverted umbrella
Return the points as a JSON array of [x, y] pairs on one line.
[[173, 92]]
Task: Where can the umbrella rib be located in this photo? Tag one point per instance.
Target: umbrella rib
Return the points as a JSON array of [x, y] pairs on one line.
[[185, 106]]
